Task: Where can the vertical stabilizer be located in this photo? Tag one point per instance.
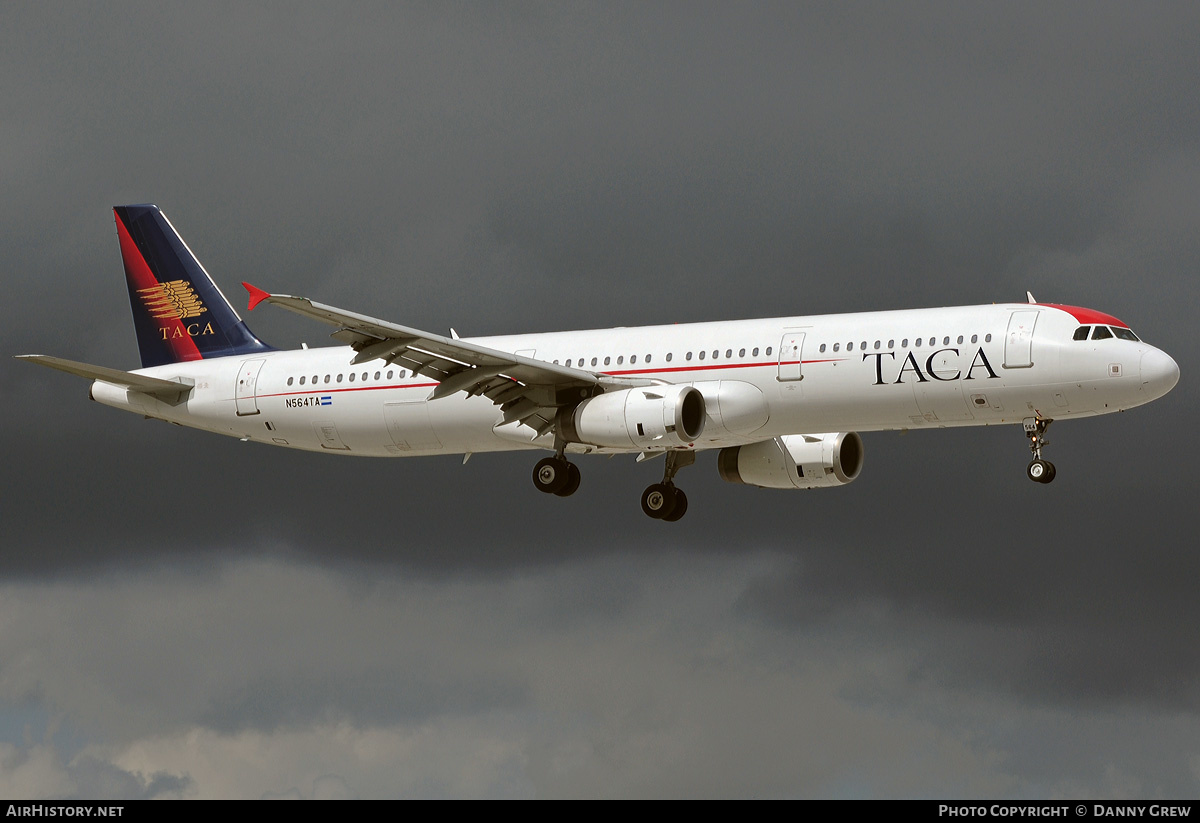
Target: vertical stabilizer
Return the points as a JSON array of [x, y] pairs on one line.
[[178, 312]]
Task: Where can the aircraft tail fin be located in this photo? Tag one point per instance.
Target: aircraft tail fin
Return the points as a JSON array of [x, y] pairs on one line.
[[178, 311]]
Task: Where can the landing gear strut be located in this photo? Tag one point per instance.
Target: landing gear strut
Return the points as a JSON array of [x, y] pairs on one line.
[[663, 501], [557, 475], [1038, 470]]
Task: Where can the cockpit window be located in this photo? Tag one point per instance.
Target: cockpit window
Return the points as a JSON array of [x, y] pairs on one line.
[[1081, 333], [1124, 334], [1101, 333]]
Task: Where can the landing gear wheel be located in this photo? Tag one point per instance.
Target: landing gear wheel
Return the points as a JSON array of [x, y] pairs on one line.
[[573, 479], [680, 508], [551, 475], [1040, 471], [658, 501]]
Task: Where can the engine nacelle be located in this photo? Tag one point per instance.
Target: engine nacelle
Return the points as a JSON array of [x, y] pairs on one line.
[[733, 406], [645, 418], [795, 461]]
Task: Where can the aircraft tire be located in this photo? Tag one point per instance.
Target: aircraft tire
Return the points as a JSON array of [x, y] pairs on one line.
[[658, 501], [573, 479], [551, 474], [1037, 471], [679, 509]]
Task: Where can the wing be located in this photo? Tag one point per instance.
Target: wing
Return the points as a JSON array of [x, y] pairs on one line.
[[527, 390]]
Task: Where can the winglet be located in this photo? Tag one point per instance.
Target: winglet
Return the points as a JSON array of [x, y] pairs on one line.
[[257, 295]]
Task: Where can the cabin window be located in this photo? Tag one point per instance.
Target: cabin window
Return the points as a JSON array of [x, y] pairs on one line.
[[301, 380], [918, 342], [837, 346], [974, 338], [648, 358], [1081, 333], [702, 355], [960, 339], [877, 344], [364, 377], [351, 377], [891, 344], [376, 375], [741, 352], [1101, 333], [850, 346], [822, 347], [568, 362], [904, 343], [987, 338], [595, 361], [633, 359], [670, 355], [728, 353], [290, 381], [327, 378], [621, 360], [863, 345], [946, 340], [716, 354], [768, 350], [314, 380], [608, 361], [339, 378], [688, 357]]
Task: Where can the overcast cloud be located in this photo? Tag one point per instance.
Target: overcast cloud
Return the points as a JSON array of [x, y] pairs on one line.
[[186, 615]]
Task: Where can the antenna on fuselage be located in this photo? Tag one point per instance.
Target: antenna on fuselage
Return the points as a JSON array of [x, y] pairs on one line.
[[1029, 294]]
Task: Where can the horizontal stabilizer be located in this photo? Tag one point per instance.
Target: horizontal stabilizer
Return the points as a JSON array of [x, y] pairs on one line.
[[166, 390]]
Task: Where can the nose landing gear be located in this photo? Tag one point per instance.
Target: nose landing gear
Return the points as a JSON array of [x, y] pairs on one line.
[[1038, 470]]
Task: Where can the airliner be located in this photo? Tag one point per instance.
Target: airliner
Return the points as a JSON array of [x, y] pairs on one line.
[[781, 399]]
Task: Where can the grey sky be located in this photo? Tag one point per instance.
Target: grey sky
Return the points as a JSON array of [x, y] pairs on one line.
[[186, 614]]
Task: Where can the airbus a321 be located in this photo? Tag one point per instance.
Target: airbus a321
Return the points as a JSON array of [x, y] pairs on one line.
[[782, 399]]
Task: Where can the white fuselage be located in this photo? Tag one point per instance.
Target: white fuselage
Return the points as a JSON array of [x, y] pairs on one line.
[[928, 368]]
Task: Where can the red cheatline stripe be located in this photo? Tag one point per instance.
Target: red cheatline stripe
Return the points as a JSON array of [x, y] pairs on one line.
[[183, 347], [714, 366], [356, 388], [613, 373]]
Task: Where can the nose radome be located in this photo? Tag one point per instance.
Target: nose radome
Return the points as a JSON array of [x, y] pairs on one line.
[[1160, 372]]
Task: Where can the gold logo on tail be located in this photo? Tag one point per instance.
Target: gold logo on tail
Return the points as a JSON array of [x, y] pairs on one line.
[[174, 298]]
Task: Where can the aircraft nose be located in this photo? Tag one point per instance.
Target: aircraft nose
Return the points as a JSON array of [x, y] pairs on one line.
[[1160, 372]]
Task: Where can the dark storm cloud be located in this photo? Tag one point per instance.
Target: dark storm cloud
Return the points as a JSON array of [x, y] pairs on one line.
[[518, 168]]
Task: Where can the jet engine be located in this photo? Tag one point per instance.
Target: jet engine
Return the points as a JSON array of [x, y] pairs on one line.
[[733, 406], [794, 461], [646, 418]]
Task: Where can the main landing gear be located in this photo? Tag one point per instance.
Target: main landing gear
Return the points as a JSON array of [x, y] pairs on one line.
[[663, 501], [1038, 470], [556, 475]]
